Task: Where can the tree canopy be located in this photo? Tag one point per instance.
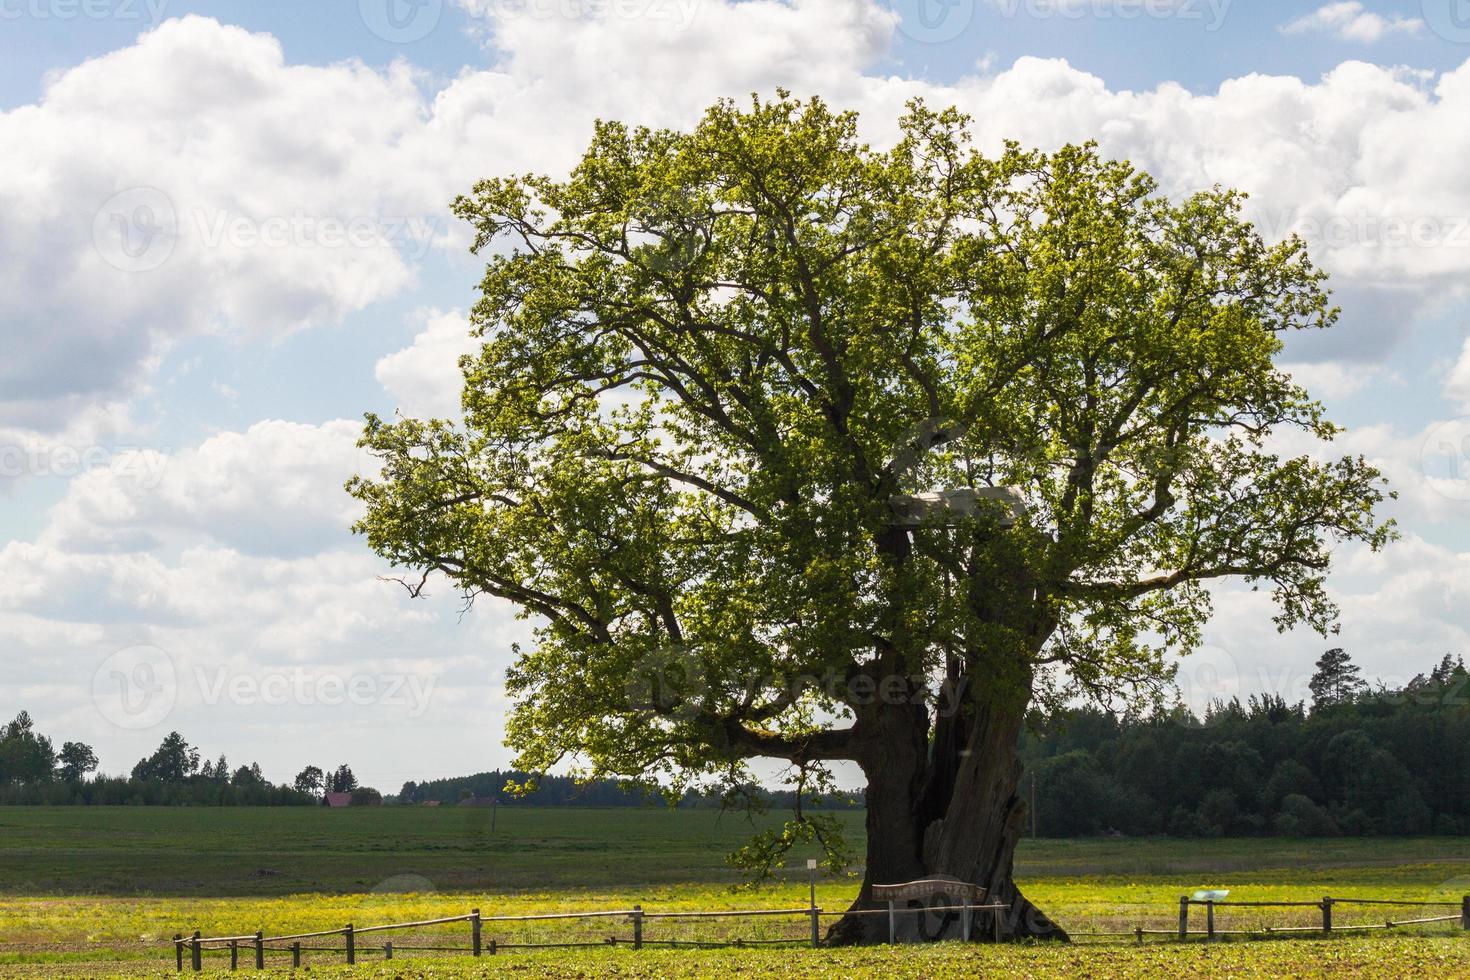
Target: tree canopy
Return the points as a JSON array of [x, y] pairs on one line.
[[720, 366]]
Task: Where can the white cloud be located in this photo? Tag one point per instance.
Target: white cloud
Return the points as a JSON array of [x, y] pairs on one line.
[[272, 215], [425, 377], [274, 489], [1457, 382], [1333, 381], [89, 435], [1402, 610], [277, 633], [191, 183], [1351, 21]]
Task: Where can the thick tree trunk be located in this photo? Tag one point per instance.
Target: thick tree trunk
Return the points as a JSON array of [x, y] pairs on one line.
[[947, 811]]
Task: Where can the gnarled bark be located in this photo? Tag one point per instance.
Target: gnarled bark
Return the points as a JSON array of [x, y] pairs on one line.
[[944, 809]]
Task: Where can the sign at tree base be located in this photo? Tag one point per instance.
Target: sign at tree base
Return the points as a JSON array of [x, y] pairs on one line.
[[943, 895]]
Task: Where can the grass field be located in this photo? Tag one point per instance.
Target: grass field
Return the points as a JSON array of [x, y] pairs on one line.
[[97, 892]]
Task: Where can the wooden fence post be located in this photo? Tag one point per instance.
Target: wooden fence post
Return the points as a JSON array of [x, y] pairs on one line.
[[179, 950], [816, 927], [1184, 917], [234, 955], [475, 931], [1465, 912], [892, 922], [1210, 920], [195, 953], [637, 927], [296, 954], [388, 950], [966, 917], [260, 949], [492, 947], [999, 914], [351, 944], [1326, 914], [1139, 933]]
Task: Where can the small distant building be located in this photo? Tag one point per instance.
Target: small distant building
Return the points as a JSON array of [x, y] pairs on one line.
[[429, 803], [338, 799]]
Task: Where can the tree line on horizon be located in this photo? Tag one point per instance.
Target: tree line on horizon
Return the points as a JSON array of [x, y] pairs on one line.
[[33, 772], [1359, 761], [511, 787]]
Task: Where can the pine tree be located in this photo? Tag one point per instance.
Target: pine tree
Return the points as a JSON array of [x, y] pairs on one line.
[[1337, 679], [1441, 675]]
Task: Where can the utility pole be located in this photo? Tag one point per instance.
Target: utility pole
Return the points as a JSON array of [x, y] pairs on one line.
[[1033, 804]]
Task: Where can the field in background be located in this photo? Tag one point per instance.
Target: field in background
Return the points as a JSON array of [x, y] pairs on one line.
[[87, 891]]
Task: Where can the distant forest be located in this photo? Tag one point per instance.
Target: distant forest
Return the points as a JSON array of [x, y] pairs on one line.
[[488, 787], [1359, 761]]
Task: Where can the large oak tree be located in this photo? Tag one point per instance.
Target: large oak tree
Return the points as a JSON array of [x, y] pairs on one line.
[[799, 450]]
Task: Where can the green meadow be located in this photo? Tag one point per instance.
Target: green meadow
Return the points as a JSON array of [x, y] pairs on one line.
[[99, 892]]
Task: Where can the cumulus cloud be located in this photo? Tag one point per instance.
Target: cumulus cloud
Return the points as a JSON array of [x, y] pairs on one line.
[[191, 183], [1402, 610], [231, 567], [1457, 382], [424, 377], [1351, 21], [274, 489], [195, 182], [1334, 381]]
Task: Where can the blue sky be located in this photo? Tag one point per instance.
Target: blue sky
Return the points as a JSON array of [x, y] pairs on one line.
[[177, 410]]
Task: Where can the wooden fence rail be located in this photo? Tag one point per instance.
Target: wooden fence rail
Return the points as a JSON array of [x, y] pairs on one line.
[[197, 944], [1326, 906], [259, 944]]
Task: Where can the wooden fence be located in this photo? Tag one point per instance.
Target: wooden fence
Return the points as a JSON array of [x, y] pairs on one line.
[[1325, 907], [259, 946]]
